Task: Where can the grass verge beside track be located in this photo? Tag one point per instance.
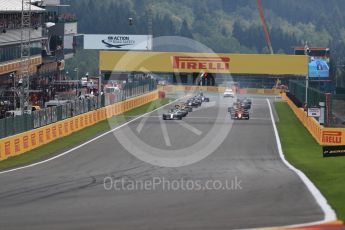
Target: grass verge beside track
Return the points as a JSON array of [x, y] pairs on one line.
[[78, 137], [301, 150]]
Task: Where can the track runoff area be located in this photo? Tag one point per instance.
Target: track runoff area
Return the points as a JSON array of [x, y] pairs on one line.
[[205, 171]]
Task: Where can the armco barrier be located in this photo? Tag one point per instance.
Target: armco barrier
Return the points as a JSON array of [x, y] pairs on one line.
[[324, 136], [23, 142]]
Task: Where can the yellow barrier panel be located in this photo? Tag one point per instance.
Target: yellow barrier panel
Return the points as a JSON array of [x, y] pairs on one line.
[[81, 122], [99, 115], [8, 147], [55, 134], [75, 123], [114, 109], [71, 124], [25, 142], [18, 145], [251, 91], [269, 91], [324, 136], [47, 132], [219, 89], [89, 115], [34, 139], [108, 112], [2, 150], [29, 140], [60, 129], [41, 136], [260, 91], [94, 117], [212, 89], [121, 107], [104, 116], [66, 127]]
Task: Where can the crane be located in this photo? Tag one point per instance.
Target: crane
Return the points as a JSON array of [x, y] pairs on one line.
[[264, 25]]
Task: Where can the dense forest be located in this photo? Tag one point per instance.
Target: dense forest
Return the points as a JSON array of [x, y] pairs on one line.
[[222, 25]]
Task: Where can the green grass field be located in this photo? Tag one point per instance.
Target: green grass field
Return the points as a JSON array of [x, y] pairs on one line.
[[301, 150], [76, 138]]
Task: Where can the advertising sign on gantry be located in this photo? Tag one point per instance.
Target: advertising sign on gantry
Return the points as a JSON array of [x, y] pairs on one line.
[[117, 42], [203, 62]]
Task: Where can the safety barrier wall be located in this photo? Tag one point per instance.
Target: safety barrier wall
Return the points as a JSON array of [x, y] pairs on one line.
[[260, 91], [324, 136], [24, 142], [217, 89]]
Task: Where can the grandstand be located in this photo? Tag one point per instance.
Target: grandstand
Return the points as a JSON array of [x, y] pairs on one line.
[[52, 40]]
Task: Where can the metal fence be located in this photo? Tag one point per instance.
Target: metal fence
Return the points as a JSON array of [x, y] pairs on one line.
[[14, 125], [315, 96], [338, 103], [297, 88]]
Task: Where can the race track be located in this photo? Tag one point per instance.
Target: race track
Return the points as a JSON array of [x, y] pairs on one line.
[[69, 192]]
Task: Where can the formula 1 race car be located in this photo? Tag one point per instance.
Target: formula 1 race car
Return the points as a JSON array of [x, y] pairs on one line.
[[173, 114], [203, 98], [245, 103], [183, 111], [239, 114], [197, 99], [184, 106], [193, 102]]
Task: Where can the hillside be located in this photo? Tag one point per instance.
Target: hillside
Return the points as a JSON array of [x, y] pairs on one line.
[[223, 25]]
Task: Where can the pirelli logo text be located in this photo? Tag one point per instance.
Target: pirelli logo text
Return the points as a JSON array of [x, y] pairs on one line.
[[333, 137], [201, 63]]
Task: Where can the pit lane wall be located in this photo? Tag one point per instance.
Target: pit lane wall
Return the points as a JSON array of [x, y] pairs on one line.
[[324, 136], [216, 89], [24, 142]]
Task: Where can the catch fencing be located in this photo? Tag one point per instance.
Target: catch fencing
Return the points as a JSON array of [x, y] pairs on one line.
[[13, 125], [298, 91]]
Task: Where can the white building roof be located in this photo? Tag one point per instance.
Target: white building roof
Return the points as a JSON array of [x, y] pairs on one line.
[[8, 6]]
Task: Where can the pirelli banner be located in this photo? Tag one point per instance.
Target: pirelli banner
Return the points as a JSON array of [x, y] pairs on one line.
[[128, 61]]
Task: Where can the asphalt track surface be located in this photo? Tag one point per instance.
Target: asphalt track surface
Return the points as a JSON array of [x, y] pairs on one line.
[[69, 192]]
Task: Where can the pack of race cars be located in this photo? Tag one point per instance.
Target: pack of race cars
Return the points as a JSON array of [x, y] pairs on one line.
[[240, 109], [182, 109]]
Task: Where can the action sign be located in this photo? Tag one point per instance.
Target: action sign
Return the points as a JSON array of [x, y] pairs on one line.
[[329, 151], [117, 42], [314, 112]]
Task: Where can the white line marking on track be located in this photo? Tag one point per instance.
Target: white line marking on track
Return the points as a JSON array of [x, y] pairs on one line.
[[165, 132], [85, 143], [142, 122], [319, 198], [190, 128]]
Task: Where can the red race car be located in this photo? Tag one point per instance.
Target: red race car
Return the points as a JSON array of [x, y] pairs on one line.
[[238, 113]]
